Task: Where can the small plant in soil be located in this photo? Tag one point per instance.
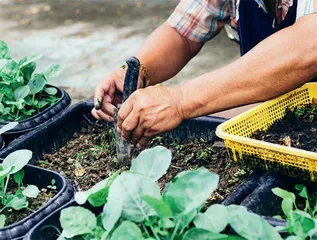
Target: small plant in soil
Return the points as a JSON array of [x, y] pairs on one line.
[[12, 169], [23, 93], [135, 208], [301, 220]]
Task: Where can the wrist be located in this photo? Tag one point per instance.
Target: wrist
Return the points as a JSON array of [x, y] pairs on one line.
[[176, 93]]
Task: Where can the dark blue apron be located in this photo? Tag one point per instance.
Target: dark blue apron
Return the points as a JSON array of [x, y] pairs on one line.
[[255, 24]]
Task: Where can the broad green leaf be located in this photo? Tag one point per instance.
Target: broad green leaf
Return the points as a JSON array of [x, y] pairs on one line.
[[27, 61], [293, 238], [302, 190], [111, 213], [21, 92], [152, 163], [251, 226], [130, 187], [28, 70], [17, 159], [287, 206], [53, 71], [77, 221], [42, 103], [18, 177], [8, 127], [203, 234], [51, 91], [183, 220], [2, 220], [3, 62], [98, 194], [190, 190], [6, 172], [10, 71], [127, 231], [302, 223], [37, 83], [283, 194], [17, 202], [4, 50], [31, 191], [215, 219], [160, 207]]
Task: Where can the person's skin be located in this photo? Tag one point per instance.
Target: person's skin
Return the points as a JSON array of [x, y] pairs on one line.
[[280, 63]]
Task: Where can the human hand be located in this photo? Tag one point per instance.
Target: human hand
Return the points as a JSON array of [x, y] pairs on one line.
[[148, 112], [108, 95]]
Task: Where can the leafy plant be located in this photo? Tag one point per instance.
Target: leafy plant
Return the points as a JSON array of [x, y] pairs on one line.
[[301, 224], [23, 93], [135, 208], [13, 165]]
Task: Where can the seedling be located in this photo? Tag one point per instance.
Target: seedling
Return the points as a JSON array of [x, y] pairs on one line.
[[52, 186], [300, 223], [23, 93], [13, 165], [134, 207]]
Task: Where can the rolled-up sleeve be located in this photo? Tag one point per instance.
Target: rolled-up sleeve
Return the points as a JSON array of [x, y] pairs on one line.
[[199, 20], [306, 7]]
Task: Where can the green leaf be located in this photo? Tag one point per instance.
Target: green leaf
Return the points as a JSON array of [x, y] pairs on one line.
[[8, 127], [31, 191], [152, 163], [2, 220], [189, 190], [128, 188], [127, 231], [77, 221], [27, 70], [17, 202], [4, 50], [18, 177], [302, 190], [287, 206], [183, 220], [17, 159], [5, 172], [159, 206], [53, 71], [250, 225], [215, 219], [98, 194], [37, 83], [111, 213], [21, 92], [284, 194], [51, 91], [3, 62], [42, 103], [28, 61], [302, 223], [203, 234], [10, 71], [293, 238]]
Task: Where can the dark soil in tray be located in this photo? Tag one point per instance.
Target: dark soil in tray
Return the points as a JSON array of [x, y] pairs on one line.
[[296, 129], [89, 157], [13, 216]]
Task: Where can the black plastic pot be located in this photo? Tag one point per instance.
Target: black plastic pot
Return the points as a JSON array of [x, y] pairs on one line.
[[41, 178], [37, 120], [42, 232], [1, 143], [263, 202]]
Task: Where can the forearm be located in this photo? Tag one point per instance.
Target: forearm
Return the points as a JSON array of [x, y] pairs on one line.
[[165, 53], [281, 63]]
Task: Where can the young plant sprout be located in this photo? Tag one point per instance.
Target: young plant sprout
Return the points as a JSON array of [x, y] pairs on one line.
[[23, 93], [13, 165]]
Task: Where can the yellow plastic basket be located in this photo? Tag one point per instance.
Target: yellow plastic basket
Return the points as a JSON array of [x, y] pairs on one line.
[[236, 133]]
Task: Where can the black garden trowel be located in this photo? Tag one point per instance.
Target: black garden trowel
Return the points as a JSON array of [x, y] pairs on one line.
[[123, 148]]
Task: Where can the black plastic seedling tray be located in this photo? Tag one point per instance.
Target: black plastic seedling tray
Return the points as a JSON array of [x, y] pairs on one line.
[[41, 178], [37, 120]]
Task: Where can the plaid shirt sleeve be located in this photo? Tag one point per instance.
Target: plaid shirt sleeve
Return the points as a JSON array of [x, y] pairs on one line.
[[199, 20]]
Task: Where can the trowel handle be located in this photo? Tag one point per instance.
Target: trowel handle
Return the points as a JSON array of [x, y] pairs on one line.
[[131, 77]]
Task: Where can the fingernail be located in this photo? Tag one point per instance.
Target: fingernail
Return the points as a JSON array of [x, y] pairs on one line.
[[98, 104]]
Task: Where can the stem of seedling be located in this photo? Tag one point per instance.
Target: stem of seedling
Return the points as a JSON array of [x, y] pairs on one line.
[[175, 230], [155, 234], [5, 187], [146, 231]]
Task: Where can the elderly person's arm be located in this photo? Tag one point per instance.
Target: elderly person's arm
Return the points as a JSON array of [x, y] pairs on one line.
[[280, 63]]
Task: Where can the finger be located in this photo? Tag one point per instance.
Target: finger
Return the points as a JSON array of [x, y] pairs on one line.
[[143, 141], [104, 116], [94, 114], [129, 124], [137, 133], [124, 111], [100, 91], [108, 109]]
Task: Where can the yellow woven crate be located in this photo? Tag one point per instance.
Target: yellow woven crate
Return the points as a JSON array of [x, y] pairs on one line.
[[236, 133]]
